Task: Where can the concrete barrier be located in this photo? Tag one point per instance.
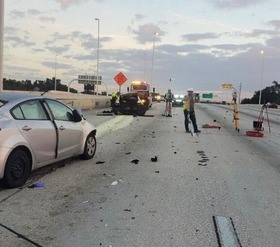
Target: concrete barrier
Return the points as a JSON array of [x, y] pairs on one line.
[[83, 101]]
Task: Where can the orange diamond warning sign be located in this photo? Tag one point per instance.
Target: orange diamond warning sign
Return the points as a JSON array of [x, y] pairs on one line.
[[120, 78]]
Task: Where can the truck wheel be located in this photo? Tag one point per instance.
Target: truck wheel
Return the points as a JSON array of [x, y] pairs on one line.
[[17, 169]]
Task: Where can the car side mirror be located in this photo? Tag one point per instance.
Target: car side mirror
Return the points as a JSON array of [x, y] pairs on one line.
[[77, 116]]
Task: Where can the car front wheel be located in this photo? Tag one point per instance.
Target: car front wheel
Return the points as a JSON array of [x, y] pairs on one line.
[[17, 169], [90, 147]]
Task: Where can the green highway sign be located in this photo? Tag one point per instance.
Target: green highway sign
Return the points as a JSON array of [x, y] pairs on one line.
[[207, 95]]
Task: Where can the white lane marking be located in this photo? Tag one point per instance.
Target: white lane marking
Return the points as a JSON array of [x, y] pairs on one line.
[[225, 231], [113, 124]]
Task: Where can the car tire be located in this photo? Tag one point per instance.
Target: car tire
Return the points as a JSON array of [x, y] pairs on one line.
[[17, 169], [141, 113], [90, 147]]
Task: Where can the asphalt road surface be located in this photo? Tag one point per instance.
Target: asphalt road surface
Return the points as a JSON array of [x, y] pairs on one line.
[[220, 188]]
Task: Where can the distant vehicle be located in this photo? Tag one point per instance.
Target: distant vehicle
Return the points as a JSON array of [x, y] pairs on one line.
[[271, 105], [178, 100], [154, 96], [142, 88], [160, 98], [36, 131], [130, 104], [157, 97]]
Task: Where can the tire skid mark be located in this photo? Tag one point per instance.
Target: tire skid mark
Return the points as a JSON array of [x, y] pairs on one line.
[[21, 236]]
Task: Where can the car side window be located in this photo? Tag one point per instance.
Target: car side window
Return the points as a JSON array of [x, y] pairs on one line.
[[60, 111], [29, 110]]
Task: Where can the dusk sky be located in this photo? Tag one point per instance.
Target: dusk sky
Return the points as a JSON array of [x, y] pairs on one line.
[[200, 44]]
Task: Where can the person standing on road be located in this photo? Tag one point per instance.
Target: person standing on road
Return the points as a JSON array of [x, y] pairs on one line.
[[168, 101], [188, 107], [114, 98]]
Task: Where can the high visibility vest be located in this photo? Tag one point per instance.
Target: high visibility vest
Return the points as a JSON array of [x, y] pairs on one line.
[[169, 96], [188, 103], [114, 96]]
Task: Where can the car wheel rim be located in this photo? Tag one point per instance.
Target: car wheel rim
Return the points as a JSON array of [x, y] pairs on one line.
[[91, 146], [17, 170]]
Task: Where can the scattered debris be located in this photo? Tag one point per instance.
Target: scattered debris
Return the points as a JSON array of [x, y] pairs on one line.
[[202, 164], [114, 183], [37, 185], [84, 202], [204, 158], [135, 161], [100, 162], [105, 113], [211, 126], [156, 171], [128, 153], [127, 210], [154, 159]]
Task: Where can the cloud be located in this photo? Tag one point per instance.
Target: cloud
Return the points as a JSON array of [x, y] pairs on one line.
[[34, 12], [259, 32], [17, 41], [58, 65], [58, 49], [194, 37], [11, 30], [15, 14], [174, 49], [145, 33], [274, 42], [233, 47], [275, 24], [139, 17], [235, 4], [45, 18], [64, 4]]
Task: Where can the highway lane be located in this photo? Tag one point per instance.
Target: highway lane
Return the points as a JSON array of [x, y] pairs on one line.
[[221, 173]]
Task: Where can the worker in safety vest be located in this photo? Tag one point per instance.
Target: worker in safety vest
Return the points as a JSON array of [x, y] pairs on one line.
[[114, 98], [168, 101], [188, 107]]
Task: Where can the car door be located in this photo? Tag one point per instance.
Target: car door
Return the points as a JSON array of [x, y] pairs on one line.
[[37, 129], [70, 133]]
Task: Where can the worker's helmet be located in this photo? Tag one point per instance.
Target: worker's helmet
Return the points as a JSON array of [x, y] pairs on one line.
[[190, 89]]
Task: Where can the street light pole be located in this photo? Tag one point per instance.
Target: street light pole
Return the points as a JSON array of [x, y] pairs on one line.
[[145, 66], [55, 72], [260, 98], [97, 62], [1, 42], [152, 71]]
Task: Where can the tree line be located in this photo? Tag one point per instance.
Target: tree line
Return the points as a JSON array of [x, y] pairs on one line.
[[37, 85], [269, 94]]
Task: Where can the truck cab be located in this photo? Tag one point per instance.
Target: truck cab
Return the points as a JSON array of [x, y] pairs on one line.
[[143, 91]]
